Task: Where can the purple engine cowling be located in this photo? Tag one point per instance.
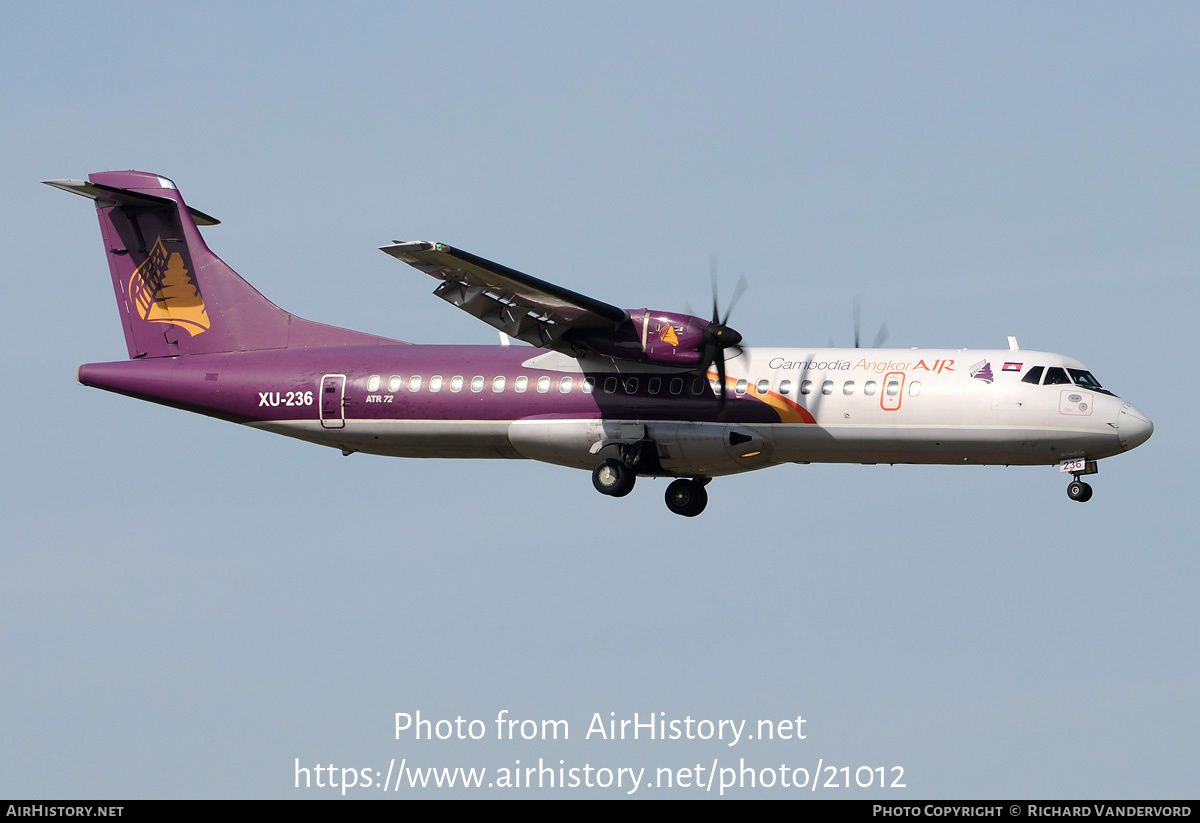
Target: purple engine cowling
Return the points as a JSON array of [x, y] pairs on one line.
[[665, 338]]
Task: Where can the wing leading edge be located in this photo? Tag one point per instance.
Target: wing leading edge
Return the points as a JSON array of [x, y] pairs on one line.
[[517, 304]]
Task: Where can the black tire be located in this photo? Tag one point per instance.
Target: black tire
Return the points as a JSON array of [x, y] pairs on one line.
[[1079, 491], [614, 478], [686, 497], [1087, 493]]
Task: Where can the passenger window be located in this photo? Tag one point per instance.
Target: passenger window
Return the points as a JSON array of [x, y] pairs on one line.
[[565, 384], [739, 388], [631, 385], [1033, 376], [893, 388], [414, 383], [435, 383], [806, 387], [394, 383], [827, 387], [848, 387], [521, 384], [763, 386], [543, 385], [698, 386], [477, 383], [785, 387], [589, 385], [1056, 376], [654, 386], [373, 383], [677, 385], [914, 388], [610, 385], [498, 385], [456, 383], [869, 388]]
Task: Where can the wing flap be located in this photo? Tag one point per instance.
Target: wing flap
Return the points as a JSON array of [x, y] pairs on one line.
[[517, 304]]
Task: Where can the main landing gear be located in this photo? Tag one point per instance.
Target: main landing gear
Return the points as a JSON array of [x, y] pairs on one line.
[[687, 496], [615, 477]]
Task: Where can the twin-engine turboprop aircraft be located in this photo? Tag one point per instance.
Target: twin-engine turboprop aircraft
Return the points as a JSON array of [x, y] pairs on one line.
[[622, 392]]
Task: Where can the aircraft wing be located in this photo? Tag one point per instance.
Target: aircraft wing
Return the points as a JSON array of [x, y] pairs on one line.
[[521, 306]]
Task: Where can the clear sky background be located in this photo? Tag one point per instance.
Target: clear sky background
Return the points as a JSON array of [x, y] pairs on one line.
[[187, 606]]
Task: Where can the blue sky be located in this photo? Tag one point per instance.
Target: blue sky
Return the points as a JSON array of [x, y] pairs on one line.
[[189, 606]]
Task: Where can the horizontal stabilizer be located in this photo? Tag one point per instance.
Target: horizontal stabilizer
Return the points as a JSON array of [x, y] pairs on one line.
[[135, 199]]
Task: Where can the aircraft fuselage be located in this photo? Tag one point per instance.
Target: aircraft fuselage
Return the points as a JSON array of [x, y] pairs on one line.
[[789, 405]]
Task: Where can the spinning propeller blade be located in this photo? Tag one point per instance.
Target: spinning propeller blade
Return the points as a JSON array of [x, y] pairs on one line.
[[718, 336]]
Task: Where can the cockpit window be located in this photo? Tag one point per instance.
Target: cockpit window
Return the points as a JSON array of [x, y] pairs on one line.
[[1086, 380], [1056, 376]]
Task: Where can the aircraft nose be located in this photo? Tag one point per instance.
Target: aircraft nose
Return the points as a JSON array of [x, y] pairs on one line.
[[1133, 427]]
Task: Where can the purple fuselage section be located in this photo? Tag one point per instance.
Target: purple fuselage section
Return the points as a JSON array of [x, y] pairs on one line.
[[283, 385]]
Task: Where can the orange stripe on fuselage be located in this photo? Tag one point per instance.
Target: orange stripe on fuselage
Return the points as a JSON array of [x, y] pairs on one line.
[[789, 411]]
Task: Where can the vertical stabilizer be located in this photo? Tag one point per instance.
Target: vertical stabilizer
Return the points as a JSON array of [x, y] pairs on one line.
[[175, 296]]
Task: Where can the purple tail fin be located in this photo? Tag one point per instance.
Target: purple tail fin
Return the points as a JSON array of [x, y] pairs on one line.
[[175, 296]]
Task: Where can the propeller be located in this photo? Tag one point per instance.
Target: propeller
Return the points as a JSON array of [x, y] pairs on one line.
[[880, 336], [718, 336]]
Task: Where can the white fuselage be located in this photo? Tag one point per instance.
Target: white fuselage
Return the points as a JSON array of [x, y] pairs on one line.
[[943, 406]]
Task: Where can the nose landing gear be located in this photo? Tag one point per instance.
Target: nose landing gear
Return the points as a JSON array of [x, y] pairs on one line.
[[1079, 491]]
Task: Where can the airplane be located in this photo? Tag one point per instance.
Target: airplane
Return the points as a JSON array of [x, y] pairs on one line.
[[623, 393]]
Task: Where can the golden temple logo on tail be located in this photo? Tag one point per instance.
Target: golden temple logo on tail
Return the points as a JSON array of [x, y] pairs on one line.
[[164, 291]]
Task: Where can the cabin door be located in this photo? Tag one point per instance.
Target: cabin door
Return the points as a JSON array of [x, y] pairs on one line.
[[333, 393]]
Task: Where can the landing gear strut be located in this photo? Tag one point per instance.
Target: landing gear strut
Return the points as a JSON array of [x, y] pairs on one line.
[[687, 497]]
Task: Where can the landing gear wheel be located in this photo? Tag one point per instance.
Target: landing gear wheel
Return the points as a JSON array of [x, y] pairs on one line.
[[1079, 491], [614, 478], [686, 497]]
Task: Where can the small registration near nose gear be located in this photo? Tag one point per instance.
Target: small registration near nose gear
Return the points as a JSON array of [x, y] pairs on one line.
[[1077, 490]]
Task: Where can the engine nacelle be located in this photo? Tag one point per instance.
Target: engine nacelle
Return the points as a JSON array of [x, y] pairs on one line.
[[664, 338]]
